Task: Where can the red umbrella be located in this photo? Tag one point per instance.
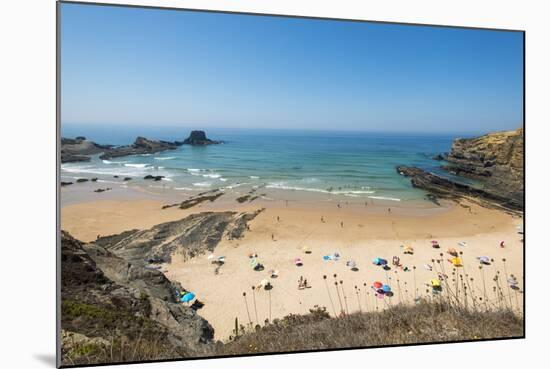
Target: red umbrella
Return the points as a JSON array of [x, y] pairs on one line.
[[377, 284]]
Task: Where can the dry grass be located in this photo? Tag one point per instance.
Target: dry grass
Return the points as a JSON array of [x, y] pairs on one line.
[[400, 324]]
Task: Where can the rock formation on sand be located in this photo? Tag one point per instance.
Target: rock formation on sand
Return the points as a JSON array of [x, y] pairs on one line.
[[198, 138], [141, 145], [439, 187], [107, 301], [79, 149], [196, 200], [196, 234], [495, 160]]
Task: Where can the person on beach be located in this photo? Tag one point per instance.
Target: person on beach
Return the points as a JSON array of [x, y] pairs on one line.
[[272, 237], [501, 244], [341, 224], [278, 219], [389, 210], [322, 219]]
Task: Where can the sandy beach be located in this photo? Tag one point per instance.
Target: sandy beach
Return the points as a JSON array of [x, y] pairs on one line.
[[354, 230]]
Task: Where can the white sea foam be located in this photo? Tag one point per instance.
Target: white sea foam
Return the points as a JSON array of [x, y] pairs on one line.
[[212, 175], [137, 165], [223, 179], [254, 177], [183, 189], [165, 158], [113, 162], [384, 198], [167, 179], [202, 184], [284, 186]]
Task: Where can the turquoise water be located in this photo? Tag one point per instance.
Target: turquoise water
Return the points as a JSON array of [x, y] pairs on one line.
[[351, 164]]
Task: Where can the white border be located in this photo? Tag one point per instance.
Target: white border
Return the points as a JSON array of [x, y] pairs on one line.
[[27, 66]]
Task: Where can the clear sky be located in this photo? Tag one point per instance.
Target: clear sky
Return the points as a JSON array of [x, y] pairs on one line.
[[130, 66]]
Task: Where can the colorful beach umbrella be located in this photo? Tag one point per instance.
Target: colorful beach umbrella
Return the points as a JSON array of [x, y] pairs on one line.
[[377, 285], [187, 296], [386, 288]]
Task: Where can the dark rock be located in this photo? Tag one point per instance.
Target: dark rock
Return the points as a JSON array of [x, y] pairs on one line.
[[440, 187], [154, 178], [99, 190], [495, 159], [141, 145], [127, 178], [66, 183], [439, 157], [81, 180], [196, 200], [94, 179], [79, 149], [193, 235], [198, 138], [104, 295]]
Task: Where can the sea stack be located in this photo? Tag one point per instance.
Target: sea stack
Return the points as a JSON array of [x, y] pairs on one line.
[[198, 138]]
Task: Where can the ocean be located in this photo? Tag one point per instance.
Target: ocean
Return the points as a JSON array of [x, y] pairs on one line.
[[354, 165]]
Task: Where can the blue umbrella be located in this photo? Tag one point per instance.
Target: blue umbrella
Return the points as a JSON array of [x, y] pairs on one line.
[[386, 288], [187, 297]]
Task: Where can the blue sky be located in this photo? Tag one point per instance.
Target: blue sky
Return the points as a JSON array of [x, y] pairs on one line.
[[142, 67]]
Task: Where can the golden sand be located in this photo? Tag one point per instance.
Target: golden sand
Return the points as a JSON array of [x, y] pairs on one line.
[[357, 232]]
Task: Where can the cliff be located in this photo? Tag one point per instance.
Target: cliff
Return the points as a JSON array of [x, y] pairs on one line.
[[108, 304], [495, 159]]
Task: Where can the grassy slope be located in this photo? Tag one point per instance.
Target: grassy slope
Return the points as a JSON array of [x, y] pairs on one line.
[[425, 322]]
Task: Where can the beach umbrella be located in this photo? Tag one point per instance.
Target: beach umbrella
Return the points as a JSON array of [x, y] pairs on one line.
[[306, 250], [211, 256], [298, 262], [408, 250], [379, 295], [456, 261], [428, 267], [452, 251], [351, 264], [187, 296], [326, 257], [376, 261], [436, 283], [512, 281], [462, 243], [377, 285], [484, 259], [386, 288], [221, 259]]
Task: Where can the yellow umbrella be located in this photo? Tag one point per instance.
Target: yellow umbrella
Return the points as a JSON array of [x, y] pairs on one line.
[[456, 261], [435, 283]]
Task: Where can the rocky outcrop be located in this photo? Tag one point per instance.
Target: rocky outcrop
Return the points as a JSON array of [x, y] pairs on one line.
[[196, 200], [439, 187], [495, 159], [106, 300], [191, 236], [198, 138], [141, 145], [79, 149]]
